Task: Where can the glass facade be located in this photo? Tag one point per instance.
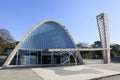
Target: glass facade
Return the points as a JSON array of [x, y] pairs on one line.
[[43, 58], [49, 35], [33, 49]]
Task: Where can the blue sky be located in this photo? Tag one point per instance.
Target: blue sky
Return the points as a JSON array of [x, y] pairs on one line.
[[79, 17]]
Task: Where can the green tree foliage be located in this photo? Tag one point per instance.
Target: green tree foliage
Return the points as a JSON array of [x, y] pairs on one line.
[[97, 44], [5, 46], [115, 51], [84, 54], [113, 54], [82, 45], [90, 54], [97, 54]]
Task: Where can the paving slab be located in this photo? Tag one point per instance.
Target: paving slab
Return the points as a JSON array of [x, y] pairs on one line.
[[18, 74], [80, 72], [116, 77], [111, 66]]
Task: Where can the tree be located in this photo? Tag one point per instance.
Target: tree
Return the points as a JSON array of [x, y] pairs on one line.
[[84, 54], [97, 54], [97, 44], [6, 43], [116, 50], [5, 46], [113, 54], [82, 45]]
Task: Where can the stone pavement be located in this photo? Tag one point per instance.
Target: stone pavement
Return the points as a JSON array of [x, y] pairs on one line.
[[112, 66], [80, 72], [117, 77], [18, 74]]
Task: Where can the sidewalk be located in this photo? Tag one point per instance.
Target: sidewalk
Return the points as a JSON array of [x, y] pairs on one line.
[[80, 72]]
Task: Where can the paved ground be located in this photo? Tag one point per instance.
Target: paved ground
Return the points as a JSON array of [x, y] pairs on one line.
[[81, 72], [18, 74], [112, 66], [111, 78]]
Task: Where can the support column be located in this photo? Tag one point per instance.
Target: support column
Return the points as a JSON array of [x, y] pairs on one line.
[[29, 57], [17, 57], [52, 62], [37, 57], [41, 57], [69, 57]]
